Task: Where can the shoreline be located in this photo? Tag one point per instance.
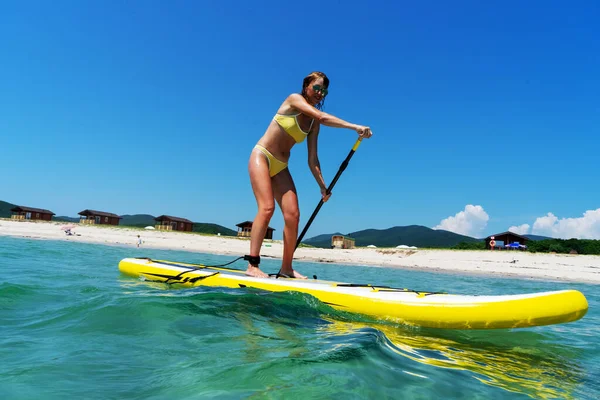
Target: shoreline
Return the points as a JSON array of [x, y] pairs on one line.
[[499, 264]]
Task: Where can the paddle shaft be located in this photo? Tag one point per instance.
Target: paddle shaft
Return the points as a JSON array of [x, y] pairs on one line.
[[331, 185]]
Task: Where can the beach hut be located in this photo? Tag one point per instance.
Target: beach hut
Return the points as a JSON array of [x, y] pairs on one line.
[[507, 238], [94, 217], [169, 223], [342, 242], [245, 228], [30, 213]]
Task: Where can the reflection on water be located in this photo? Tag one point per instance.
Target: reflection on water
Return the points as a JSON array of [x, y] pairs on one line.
[[522, 362]]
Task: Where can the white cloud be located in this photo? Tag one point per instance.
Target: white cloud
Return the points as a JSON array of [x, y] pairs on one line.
[[471, 222], [519, 230], [586, 227]]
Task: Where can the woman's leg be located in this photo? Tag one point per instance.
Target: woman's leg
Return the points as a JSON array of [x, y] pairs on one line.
[[287, 198], [258, 168]]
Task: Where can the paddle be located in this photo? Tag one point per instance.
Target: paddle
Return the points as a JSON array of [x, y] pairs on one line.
[[331, 185]]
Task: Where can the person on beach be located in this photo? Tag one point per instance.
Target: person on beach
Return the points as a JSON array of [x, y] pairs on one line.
[[299, 117]]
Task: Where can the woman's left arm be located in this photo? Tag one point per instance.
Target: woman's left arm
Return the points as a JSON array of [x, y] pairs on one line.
[[313, 160]]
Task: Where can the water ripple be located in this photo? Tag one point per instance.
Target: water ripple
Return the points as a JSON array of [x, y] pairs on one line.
[[72, 326]]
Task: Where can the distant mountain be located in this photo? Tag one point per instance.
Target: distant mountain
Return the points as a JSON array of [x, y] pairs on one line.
[[537, 237], [5, 209], [213, 229], [137, 220], [65, 219], [322, 239], [413, 235], [143, 220]]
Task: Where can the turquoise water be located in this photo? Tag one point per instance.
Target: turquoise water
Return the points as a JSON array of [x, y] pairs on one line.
[[72, 327]]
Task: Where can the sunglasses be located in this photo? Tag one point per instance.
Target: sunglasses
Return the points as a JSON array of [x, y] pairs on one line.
[[321, 89]]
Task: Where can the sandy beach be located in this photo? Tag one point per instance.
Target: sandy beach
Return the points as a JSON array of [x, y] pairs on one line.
[[576, 268]]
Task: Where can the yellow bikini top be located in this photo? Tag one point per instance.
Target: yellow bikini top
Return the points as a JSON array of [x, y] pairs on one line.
[[290, 124]]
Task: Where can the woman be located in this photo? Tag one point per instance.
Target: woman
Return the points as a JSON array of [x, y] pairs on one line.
[[299, 117]]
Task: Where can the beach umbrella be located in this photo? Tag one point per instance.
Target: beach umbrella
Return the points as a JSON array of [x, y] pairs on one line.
[[67, 227], [150, 228]]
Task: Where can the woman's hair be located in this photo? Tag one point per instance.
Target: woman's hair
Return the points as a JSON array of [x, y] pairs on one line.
[[308, 80]]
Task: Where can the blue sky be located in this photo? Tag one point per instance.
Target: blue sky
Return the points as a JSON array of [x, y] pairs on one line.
[[485, 115]]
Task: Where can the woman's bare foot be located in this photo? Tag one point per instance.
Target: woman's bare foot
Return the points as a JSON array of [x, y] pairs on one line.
[[255, 272], [292, 274]]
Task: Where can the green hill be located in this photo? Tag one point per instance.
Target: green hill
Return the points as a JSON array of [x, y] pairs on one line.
[[62, 218], [537, 237], [213, 229], [5, 209], [413, 235], [143, 220], [137, 220], [322, 240]]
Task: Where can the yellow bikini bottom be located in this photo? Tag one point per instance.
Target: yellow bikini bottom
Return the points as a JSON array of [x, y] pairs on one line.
[[275, 166]]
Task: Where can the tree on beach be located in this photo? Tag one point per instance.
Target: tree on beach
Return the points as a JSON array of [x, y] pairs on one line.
[[562, 246], [469, 246]]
